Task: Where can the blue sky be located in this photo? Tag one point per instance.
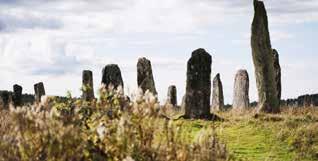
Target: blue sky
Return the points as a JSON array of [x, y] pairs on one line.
[[53, 41]]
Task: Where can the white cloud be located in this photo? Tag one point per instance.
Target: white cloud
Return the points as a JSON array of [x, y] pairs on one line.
[[53, 41]]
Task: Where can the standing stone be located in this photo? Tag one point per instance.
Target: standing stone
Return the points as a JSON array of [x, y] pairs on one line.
[[198, 85], [87, 87], [144, 76], [39, 91], [112, 76], [263, 61], [183, 103], [17, 95], [217, 95], [241, 89], [277, 71], [172, 96], [5, 99]]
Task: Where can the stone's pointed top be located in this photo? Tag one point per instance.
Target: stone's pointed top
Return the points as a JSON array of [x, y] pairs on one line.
[[39, 83], [111, 65], [276, 55], [143, 59], [258, 3], [200, 52], [242, 71], [16, 86], [260, 17], [217, 77], [143, 62], [87, 71]]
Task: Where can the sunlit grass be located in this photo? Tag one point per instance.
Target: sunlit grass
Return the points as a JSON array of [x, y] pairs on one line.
[[112, 128]]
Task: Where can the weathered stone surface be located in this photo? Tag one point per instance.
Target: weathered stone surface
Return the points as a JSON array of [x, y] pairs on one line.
[[198, 85], [182, 106], [172, 95], [217, 94], [112, 76], [17, 95], [277, 71], [5, 99], [241, 90], [145, 78], [39, 91], [263, 61], [87, 86]]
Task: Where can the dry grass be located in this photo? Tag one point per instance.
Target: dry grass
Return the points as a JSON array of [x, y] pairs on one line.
[[110, 128]]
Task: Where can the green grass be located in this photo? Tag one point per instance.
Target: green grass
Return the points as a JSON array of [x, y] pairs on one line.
[[250, 139], [254, 141]]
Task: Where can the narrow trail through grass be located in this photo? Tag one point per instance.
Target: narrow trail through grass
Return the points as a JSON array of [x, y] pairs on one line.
[[250, 139], [254, 141]]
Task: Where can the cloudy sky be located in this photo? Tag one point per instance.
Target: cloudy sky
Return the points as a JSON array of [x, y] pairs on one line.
[[54, 40]]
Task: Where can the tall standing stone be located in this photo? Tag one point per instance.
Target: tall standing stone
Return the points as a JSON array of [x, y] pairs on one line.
[[112, 76], [263, 61], [198, 85], [217, 95], [17, 95], [172, 95], [87, 86], [39, 91], [277, 71], [145, 78], [241, 90]]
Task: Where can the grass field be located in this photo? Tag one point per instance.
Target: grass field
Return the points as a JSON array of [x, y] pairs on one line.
[[77, 130], [292, 135]]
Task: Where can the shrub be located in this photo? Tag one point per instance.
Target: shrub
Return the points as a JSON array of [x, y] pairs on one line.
[[109, 128]]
